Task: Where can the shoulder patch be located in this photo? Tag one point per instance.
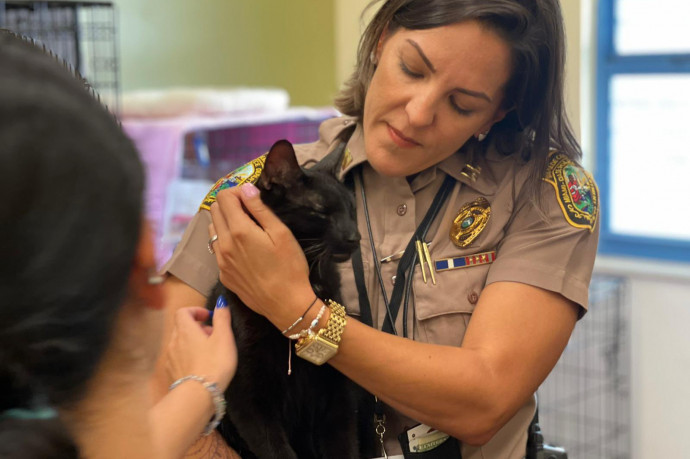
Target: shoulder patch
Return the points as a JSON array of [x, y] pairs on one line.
[[576, 191], [249, 173]]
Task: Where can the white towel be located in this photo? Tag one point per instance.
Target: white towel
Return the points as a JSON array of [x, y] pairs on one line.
[[165, 103]]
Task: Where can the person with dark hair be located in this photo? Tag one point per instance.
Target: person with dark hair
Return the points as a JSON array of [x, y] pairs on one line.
[[474, 263], [81, 315]]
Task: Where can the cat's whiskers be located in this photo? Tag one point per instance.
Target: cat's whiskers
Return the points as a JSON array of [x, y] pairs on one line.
[[311, 249], [316, 254]]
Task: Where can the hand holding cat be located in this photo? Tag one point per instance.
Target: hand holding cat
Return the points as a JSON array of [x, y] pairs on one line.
[[259, 258], [195, 349]]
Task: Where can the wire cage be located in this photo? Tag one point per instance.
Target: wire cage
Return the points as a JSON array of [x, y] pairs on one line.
[[584, 404], [84, 34]]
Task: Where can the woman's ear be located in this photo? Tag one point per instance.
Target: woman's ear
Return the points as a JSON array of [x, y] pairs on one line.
[[144, 279], [499, 114]]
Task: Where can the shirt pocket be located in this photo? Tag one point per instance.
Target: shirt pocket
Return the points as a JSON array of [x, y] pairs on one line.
[[348, 287], [443, 311]]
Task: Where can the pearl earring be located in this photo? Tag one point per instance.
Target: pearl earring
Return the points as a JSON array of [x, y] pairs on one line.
[[154, 278]]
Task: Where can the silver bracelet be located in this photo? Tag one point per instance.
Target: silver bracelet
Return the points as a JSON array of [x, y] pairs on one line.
[[216, 396]]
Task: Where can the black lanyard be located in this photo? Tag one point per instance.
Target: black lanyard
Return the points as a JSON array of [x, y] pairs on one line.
[[404, 275], [403, 278]]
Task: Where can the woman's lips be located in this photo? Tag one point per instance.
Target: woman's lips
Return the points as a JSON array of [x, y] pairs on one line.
[[400, 140]]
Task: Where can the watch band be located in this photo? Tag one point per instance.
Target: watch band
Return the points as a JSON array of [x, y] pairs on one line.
[[336, 323], [319, 347]]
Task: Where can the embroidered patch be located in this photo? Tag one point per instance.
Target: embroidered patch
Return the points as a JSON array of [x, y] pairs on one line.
[[576, 191], [471, 220], [249, 173], [446, 264]]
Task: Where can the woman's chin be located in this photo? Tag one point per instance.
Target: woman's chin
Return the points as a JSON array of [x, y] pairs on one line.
[[388, 166]]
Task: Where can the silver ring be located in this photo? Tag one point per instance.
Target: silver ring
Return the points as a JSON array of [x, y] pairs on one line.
[[213, 239]]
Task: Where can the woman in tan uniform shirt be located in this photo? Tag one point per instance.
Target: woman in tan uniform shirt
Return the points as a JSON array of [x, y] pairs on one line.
[[471, 90]]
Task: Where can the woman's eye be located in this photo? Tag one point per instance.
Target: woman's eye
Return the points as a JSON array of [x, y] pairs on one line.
[[458, 108], [406, 70]]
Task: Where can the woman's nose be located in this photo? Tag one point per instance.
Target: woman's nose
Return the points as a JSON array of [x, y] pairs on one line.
[[421, 110]]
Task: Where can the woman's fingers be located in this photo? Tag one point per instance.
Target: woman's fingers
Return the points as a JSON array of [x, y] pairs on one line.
[[250, 197], [237, 211], [189, 324], [200, 349], [223, 341], [221, 319], [227, 212], [196, 313]]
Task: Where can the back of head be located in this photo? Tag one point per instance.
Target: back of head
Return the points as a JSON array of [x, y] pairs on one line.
[[71, 186]]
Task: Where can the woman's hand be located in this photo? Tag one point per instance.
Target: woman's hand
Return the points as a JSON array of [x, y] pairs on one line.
[[178, 419], [259, 259], [197, 349]]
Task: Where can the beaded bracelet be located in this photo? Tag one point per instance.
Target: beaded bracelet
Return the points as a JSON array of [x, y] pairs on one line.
[[216, 395], [312, 325], [300, 318]]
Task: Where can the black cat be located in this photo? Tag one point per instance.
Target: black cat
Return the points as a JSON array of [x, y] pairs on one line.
[[315, 412]]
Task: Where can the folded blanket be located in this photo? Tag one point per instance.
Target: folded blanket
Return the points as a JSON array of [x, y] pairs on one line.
[[165, 103]]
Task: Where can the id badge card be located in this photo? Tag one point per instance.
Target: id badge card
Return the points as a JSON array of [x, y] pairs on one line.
[[425, 442]]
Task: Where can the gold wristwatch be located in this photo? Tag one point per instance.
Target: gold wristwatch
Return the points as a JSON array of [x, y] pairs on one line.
[[317, 348]]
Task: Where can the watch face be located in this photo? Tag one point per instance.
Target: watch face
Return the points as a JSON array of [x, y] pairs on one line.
[[317, 351]]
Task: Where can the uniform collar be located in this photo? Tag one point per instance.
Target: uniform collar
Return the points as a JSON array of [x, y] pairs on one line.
[[485, 184], [456, 164], [354, 154]]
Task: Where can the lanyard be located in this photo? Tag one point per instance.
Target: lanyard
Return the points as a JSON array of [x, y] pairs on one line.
[[404, 275], [403, 278]]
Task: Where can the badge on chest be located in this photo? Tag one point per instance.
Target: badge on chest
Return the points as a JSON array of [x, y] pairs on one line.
[[470, 222]]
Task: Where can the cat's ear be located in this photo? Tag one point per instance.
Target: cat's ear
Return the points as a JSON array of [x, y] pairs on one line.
[[330, 163], [281, 166]]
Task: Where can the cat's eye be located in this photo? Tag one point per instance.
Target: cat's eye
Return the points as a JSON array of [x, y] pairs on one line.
[[318, 210]]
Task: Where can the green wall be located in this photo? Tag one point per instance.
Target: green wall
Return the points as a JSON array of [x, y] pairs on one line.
[[281, 43]]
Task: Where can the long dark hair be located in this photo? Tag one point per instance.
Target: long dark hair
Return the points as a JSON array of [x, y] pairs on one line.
[[71, 186], [534, 31]]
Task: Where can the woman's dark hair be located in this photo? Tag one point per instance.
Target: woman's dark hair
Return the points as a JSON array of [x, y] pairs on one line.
[[71, 185], [534, 31]]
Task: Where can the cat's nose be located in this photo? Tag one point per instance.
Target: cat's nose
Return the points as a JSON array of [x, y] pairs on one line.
[[354, 239], [352, 242]]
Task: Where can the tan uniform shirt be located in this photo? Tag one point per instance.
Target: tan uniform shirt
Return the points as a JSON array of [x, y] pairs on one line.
[[552, 253]]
